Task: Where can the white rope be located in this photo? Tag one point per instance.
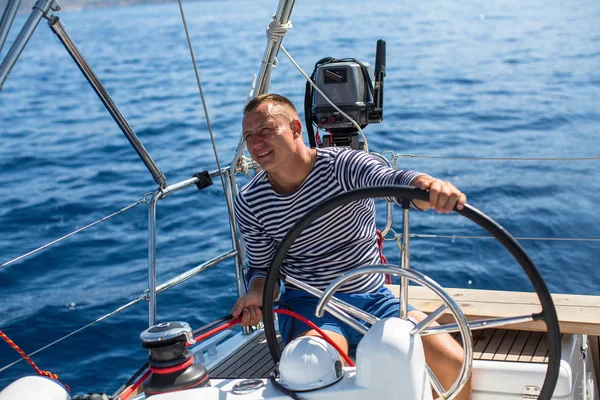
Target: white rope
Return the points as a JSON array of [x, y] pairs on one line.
[[362, 135], [244, 165], [275, 33], [277, 30]]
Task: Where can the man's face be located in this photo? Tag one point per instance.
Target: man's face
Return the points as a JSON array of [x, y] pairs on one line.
[[269, 136]]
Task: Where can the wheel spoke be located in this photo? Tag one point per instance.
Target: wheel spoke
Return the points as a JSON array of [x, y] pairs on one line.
[[429, 320], [342, 305], [437, 386], [475, 325]]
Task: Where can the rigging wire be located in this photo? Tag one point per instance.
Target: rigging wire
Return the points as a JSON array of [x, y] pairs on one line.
[[395, 156], [122, 210], [398, 236], [210, 131], [118, 310], [362, 135], [233, 186]]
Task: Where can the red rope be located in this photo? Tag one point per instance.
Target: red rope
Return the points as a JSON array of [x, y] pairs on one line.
[[30, 361], [218, 329], [382, 258], [319, 331], [280, 311]]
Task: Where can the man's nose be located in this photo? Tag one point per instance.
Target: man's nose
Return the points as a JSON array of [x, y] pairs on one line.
[[254, 142]]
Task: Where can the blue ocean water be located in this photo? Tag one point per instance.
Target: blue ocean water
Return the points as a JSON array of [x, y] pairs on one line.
[[464, 79]]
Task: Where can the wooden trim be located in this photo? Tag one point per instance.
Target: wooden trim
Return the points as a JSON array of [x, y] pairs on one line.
[[576, 313]]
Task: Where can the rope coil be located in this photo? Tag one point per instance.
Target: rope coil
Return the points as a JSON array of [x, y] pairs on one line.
[[275, 33], [277, 30]]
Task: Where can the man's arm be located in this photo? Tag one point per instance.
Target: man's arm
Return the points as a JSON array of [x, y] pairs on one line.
[[358, 169], [259, 252]]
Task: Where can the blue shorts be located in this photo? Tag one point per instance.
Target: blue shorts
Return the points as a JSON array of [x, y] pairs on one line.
[[381, 304]]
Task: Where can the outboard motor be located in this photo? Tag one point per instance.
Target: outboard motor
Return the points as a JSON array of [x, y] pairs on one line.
[[351, 86], [171, 363]]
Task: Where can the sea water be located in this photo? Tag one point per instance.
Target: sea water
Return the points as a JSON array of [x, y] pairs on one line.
[[465, 79]]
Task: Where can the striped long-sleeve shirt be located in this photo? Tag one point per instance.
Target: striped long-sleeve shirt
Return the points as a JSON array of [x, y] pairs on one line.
[[341, 240]]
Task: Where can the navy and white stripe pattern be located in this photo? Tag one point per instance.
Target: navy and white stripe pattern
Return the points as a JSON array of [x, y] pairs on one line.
[[341, 240]]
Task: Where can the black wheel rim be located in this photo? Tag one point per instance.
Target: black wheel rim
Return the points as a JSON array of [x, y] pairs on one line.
[[548, 313]]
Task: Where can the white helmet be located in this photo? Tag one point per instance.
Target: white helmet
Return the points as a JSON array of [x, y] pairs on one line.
[[309, 363]]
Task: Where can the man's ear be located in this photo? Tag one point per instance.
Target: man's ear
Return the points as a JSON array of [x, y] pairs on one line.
[[296, 126]]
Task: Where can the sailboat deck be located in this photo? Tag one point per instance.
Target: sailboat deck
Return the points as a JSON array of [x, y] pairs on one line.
[[577, 314], [254, 361]]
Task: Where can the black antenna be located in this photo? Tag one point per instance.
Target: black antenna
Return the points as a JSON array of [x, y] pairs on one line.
[[377, 113]]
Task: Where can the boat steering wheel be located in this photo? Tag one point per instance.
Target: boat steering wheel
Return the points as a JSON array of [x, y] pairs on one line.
[[548, 313]]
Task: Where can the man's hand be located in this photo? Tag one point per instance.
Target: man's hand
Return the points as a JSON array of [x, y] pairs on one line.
[[443, 196], [247, 307]]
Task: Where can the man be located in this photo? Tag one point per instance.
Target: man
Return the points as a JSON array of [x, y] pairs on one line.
[[294, 179]]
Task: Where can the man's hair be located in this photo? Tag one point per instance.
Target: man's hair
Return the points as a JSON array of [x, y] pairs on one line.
[[273, 98]]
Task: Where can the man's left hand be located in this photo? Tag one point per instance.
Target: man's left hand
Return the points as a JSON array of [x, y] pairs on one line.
[[443, 195]]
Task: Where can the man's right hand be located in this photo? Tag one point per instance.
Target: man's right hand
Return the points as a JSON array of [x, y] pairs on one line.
[[247, 307]]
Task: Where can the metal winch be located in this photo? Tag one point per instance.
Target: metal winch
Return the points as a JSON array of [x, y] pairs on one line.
[[171, 362]]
